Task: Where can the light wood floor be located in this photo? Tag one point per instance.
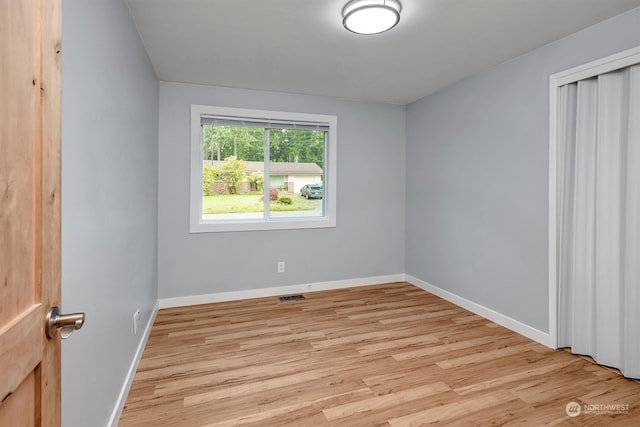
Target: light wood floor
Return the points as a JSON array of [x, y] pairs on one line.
[[387, 355]]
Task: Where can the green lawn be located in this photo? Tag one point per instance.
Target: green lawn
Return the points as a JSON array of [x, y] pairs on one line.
[[251, 202]]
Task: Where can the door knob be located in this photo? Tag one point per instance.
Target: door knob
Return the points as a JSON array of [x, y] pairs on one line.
[[67, 323]]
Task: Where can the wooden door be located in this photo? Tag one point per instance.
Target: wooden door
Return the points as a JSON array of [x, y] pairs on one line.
[[29, 210]]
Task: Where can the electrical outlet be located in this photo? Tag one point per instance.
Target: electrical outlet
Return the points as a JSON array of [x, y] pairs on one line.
[[136, 319], [280, 266]]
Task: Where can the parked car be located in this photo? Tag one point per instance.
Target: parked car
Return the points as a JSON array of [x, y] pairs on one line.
[[312, 191]]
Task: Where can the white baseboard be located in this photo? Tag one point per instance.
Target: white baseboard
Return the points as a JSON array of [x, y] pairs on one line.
[[282, 290], [532, 333], [509, 323], [124, 392]]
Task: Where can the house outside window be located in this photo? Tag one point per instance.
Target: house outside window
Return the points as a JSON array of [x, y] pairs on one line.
[[250, 170]]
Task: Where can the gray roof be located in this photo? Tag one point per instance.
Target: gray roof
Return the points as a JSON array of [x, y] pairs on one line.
[[277, 168]]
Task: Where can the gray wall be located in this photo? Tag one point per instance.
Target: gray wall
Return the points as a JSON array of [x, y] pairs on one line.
[[369, 238], [477, 176], [109, 201]]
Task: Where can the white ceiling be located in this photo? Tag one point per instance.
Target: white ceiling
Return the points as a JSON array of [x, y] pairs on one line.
[[300, 46]]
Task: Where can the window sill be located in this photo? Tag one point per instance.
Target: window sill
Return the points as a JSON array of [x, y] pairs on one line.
[[218, 226]]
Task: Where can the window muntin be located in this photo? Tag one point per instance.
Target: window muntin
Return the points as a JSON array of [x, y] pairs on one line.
[[229, 191]]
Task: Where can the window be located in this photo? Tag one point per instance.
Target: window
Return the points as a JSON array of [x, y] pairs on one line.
[[261, 170]]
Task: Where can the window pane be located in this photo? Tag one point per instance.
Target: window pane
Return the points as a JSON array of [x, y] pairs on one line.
[[296, 173], [233, 172]]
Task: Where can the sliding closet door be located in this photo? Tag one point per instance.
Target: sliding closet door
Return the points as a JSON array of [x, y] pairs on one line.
[[631, 260], [599, 218]]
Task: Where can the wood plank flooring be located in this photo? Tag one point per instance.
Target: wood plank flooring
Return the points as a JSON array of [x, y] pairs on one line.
[[385, 355]]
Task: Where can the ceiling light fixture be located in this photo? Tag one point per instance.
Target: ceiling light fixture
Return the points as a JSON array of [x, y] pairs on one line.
[[371, 16]]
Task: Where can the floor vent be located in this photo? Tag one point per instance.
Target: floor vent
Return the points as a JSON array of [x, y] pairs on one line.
[[291, 298]]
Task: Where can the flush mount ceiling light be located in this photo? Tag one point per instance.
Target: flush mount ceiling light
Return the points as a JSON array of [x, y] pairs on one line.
[[371, 16]]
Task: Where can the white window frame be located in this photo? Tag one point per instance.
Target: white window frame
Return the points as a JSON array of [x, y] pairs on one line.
[[199, 225]]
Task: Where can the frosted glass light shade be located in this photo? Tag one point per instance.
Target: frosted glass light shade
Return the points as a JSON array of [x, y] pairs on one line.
[[371, 16]]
